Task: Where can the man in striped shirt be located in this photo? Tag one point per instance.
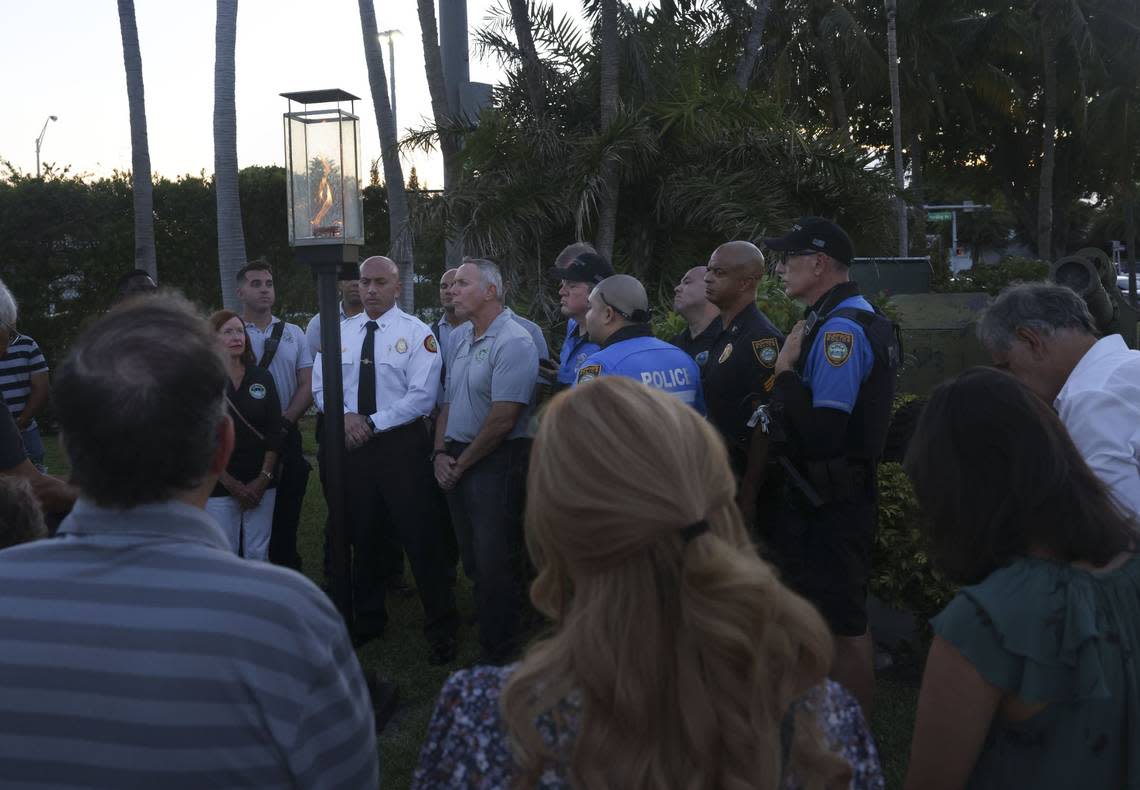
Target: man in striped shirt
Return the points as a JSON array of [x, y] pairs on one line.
[[135, 649], [24, 384]]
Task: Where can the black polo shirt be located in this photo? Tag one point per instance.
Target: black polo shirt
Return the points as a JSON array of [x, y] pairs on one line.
[[12, 452], [739, 376], [698, 347], [256, 399]]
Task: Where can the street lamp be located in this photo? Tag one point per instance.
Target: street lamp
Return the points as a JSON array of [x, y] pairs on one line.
[[390, 35], [326, 231], [40, 140]]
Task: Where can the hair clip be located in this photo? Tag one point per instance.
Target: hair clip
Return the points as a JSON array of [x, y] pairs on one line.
[[694, 530]]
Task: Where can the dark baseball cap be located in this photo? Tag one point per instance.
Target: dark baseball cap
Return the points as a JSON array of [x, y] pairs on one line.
[[587, 267], [815, 233]]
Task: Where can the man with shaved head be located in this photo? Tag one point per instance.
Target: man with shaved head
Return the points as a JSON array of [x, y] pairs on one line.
[[618, 320], [701, 315], [739, 373], [390, 363]]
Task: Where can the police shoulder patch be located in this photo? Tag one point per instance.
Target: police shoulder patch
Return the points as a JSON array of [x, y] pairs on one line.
[[837, 347], [430, 344], [766, 351], [588, 372]]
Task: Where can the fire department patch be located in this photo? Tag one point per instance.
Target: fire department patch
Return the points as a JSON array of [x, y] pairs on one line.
[[766, 351], [588, 372], [430, 344], [837, 347]]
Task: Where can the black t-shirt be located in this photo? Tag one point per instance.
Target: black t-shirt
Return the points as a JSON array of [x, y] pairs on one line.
[[739, 376], [256, 400], [698, 347], [12, 451]]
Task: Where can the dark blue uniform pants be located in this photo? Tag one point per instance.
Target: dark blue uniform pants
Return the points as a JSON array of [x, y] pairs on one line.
[[290, 496], [388, 492], [486, 510]]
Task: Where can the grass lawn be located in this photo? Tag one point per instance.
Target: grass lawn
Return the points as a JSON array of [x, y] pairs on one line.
[[402, 656]]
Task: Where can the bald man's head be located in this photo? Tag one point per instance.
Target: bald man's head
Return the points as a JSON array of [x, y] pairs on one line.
[[734, 271], [445, 297], [379, 284]]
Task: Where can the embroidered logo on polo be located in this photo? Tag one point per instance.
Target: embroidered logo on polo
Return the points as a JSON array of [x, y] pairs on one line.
[[481, 355], [589, 372], [702, 357], [401, 346], [430, 344], [837, 347], [766, 351], [724, 355], [257, 391]]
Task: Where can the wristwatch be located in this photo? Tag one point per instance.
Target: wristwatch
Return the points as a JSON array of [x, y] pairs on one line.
[[267, 475]]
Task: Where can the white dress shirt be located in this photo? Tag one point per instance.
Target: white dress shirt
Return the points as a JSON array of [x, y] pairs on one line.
[[406, 366], [1100, 406]]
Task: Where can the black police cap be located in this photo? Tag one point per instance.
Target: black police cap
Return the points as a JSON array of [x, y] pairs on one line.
[[817, 234], [588, 267]]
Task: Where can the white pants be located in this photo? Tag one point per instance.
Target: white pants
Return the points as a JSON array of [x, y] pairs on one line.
[[248, 529]]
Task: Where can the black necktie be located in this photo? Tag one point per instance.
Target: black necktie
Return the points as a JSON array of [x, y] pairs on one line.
[[366, 388]]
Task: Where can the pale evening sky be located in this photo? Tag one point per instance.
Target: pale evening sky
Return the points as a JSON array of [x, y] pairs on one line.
[[65, 58]]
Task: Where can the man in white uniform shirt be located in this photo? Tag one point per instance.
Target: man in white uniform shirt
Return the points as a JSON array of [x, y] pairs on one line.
[[390, 363], [1044, 335]]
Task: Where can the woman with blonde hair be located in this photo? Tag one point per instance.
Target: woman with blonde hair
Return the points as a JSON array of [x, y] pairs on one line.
[[677, 658]]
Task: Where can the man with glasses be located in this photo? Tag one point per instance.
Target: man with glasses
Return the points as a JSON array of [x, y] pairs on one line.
[[578, 269], [618, 319], [835, 380]]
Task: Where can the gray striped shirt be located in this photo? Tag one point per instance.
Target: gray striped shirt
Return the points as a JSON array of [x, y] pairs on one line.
[[137, 651]]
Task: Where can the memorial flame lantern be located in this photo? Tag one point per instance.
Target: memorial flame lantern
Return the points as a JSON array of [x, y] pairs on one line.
[[322, 169], [326, 230]]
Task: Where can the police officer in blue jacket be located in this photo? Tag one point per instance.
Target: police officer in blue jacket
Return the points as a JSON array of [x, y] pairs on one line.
[[578, 268], [618, 320], [835, 380]]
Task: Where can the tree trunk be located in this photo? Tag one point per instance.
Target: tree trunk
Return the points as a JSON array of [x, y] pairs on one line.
[[917, 189], [437, 89], [1048, 145], [142, 187], [398, 215], [747, 62], [231, 239], [835, 86], [608, 199], [896, 116], [531, 67]]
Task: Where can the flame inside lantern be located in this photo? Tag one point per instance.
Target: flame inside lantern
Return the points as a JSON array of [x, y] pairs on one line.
[[325, 195]]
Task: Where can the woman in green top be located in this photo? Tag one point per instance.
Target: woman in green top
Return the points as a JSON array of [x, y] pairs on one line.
[[1031, 679]]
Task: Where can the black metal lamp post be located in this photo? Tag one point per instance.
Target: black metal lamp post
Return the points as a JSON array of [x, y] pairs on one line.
[[326, 230]]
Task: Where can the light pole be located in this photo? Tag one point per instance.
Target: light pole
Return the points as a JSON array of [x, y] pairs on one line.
[[40, 140], [390, 35]]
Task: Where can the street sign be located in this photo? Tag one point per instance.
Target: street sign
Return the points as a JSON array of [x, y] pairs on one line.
[[938, 216]]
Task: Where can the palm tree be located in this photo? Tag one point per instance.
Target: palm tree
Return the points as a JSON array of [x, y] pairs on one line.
[[747, 62], [398, 214], [231, 238], [520, 17], [448, 140], [142, 187], [896, 117], [608, 197]]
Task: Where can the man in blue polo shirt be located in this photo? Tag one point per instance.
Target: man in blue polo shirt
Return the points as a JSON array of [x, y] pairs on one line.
[[578, 269], [618, 319], [137, 649]]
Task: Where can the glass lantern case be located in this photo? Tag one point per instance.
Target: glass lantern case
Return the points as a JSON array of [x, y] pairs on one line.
[[322, 169]]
